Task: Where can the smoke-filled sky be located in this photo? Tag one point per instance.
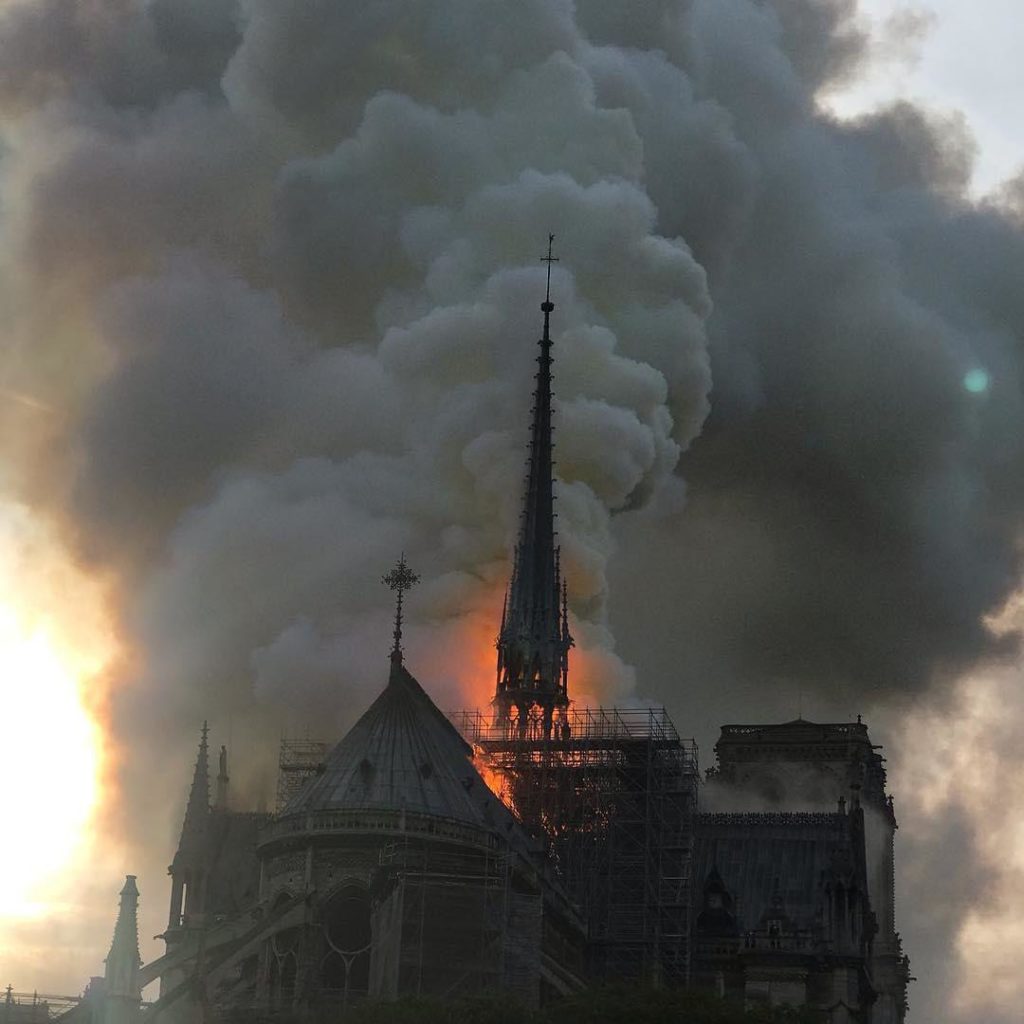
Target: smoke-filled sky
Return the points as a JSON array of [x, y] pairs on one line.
[[269, 281]]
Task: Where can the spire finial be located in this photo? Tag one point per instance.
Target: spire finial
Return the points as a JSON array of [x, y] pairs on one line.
[[549, 259], [400, 579]]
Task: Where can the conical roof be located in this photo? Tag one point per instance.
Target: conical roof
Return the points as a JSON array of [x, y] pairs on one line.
[[404, 754]]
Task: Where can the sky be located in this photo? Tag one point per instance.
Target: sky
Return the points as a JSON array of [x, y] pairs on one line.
[[960, 57], [267, 322]]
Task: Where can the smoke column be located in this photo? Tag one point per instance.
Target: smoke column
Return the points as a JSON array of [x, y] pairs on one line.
[[270, 287]]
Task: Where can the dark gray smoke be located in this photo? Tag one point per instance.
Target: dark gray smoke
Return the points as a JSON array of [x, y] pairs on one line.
[[272, 266]]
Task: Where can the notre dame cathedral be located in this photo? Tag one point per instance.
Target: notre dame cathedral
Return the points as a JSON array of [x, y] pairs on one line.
[[534, 849]]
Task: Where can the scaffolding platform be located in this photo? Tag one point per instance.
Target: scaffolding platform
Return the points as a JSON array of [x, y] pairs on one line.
[[613, 792]]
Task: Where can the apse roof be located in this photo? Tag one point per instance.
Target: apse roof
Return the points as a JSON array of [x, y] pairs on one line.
[[404, 754]]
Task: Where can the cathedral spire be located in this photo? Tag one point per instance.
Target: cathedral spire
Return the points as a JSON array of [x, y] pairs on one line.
[[534, 642], [123, 962], [199, 795], [188, 870], [193, 829]]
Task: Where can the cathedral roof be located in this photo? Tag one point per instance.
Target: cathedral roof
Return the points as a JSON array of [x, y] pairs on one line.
[[404, 754], [769, 858]]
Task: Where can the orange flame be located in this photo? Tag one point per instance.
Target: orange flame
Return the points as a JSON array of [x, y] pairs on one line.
[[463, 652], [497, 782]]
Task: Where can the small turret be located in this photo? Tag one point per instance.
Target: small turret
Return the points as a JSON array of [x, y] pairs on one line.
[[122, 994]]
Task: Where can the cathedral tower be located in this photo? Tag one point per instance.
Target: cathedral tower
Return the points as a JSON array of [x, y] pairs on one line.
[[533, 642]]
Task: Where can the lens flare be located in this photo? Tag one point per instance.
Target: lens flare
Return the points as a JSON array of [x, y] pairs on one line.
[[977, 381], [49, 766]]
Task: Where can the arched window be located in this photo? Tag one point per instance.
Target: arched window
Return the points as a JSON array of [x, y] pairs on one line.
[[284, 962], [345, 967]]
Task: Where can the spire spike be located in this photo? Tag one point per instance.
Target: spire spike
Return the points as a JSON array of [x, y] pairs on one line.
[[123, 960], [192, 856], [198, 806], [532, 644], [549, 259], [400, 579]]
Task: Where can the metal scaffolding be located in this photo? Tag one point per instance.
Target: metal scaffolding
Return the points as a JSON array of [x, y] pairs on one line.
[[613, 791], [299, 761], [34, 1008]]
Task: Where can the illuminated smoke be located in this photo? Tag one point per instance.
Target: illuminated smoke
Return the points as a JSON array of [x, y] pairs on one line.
[[270, 281]]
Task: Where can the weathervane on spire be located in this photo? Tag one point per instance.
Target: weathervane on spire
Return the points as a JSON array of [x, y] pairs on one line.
[[400, 579], [549, 259]]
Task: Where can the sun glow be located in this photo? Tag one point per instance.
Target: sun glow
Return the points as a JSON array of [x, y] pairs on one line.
[[49, 765]]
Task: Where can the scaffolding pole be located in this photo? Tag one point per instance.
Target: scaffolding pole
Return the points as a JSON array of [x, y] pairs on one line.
[[613, 792]]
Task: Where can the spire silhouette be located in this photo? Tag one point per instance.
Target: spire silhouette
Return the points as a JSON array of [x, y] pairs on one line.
[[400, 579], [223, 779], [192, 844], [122, 993], [534, 640], [123, 961], [188, 870]]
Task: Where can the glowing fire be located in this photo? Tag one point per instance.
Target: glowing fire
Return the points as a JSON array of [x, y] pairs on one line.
[[462, 652], [496, 781]]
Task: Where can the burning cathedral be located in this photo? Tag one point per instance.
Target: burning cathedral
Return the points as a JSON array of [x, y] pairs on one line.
[[592, 854]]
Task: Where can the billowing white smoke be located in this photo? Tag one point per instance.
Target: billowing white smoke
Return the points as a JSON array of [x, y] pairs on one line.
[[270, 290]]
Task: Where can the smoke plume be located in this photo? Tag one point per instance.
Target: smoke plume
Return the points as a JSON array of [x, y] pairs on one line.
[[270, 281]]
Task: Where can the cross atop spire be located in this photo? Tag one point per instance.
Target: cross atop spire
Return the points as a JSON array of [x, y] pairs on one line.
[[549, 259], [400, 579], [534, 641]]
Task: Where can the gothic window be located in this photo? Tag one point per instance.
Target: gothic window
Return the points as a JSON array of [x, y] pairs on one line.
[[284, 967], [345, 967]]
